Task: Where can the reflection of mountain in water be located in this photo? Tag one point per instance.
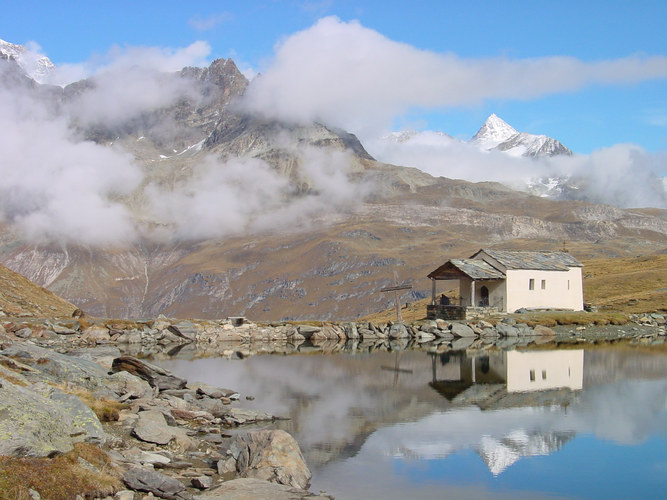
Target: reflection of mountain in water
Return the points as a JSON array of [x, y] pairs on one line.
[[423, 406], [499, 454]]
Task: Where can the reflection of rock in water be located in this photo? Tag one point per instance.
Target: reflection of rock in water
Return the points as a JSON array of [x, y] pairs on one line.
[[499, 454]]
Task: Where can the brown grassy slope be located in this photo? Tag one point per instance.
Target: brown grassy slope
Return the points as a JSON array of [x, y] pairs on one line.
[[624, 285], [21, 297], [629, 284]]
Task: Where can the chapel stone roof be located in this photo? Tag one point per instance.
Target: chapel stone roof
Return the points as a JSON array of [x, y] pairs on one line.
[[524, 259]]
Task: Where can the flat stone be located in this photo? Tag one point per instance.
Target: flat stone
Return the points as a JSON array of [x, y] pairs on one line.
[[506, 330], [202, 482], [185, 329], [154, 375], [152, 427], [254, 489], [461, 330], [398, 331], [141, 479]]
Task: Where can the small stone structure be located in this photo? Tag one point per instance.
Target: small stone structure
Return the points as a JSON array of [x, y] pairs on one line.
[[508, 280]]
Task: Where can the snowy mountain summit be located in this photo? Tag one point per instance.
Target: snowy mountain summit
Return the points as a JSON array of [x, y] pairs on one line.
[[495, 131], [35, 65], [499, 135]]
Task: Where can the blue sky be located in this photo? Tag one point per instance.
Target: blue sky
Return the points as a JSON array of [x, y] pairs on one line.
[[587, 116]]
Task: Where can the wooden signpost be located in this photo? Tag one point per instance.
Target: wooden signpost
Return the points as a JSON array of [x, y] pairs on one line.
[[396, 288]]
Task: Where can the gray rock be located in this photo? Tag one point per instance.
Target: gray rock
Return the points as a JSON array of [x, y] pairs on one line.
[[544, 331], [158, 484], [240, 416], [202, 482], [212, 391], [55, 367], [505, 330], [185, 329], [84, 424], [128, 385], [254, 489], [61, 329], [32, 425], [271, 455], [152, 427], [130, 337], [23, 333], [308, 330], [156, 376], [489, 332], [96, 333], [398, 331], [461, 330]]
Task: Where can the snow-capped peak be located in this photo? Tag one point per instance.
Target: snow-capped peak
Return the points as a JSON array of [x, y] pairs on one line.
[[494, 131], [34, 64]]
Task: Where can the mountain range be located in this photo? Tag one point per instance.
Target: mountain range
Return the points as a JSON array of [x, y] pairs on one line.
[[161, 193]]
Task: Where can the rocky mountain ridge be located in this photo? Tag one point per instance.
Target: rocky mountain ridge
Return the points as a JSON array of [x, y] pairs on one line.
[[34, 65], [236, 214], [497, 134]]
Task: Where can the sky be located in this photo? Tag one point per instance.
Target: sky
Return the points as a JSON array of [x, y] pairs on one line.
[[590, 112]]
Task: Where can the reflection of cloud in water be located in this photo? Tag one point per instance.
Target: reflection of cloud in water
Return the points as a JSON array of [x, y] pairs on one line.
[[348, 406]]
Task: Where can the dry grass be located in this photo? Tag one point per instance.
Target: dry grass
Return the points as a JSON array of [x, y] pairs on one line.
[[59, 478], [554, 318], [107, 410], [629, 285]]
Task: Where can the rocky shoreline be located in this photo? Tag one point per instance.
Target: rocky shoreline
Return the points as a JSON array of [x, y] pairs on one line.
[[79, 380]]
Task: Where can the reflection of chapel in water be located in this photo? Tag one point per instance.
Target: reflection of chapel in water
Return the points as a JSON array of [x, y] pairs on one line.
[[508, 378]]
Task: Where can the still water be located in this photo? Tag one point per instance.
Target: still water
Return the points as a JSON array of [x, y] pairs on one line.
[[569, 423]]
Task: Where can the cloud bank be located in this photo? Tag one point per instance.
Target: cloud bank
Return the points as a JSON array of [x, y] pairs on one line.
[[623, 175], [353, 77], [58, 186]]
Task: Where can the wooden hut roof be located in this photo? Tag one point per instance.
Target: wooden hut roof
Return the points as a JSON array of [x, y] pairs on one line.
[[476, 269]]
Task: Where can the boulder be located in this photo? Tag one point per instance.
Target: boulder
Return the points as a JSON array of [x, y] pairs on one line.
[[202, 482], [96, 333], [270, 455], [152, 427], [130, 337], [141, 479], [325, 333], [58, 368], [83, 423], [126, 385], [505, 330], [398, 331], [461, 330], [61, 329], [251, 489], [31, 424], [308, 330], [542, 330], [185, 329], [240, 416], [156, 376]]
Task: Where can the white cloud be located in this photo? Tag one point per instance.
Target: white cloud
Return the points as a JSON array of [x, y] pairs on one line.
[[207, 23], [622, 175], [56, 187], [123, 60], [344, 74]]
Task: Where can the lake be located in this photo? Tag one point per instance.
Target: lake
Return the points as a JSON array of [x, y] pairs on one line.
[[546, 423]]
